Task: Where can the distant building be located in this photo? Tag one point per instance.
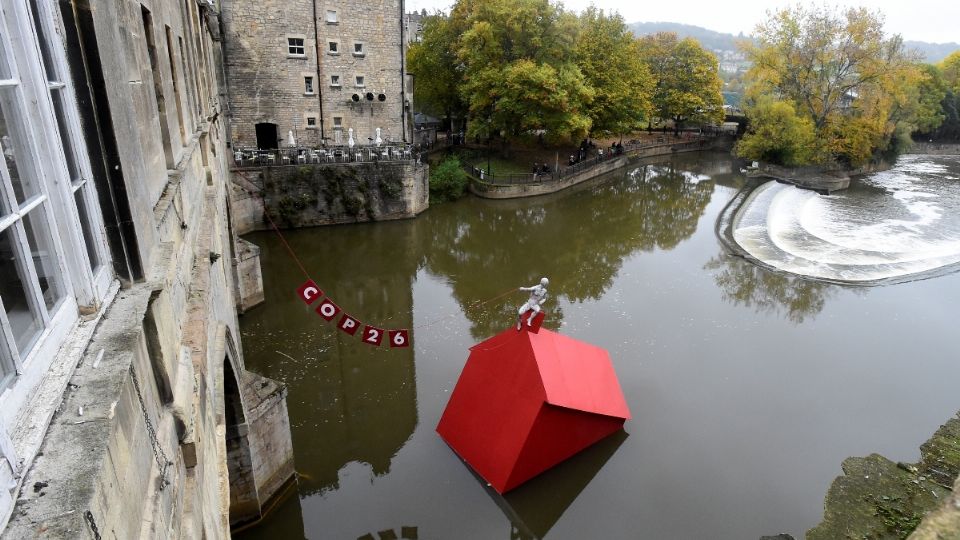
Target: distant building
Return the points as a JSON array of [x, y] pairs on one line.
[[316, 70], [425, 128], [413, 26]]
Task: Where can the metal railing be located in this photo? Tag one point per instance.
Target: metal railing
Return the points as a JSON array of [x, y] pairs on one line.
[[630, 149], [255, 157]]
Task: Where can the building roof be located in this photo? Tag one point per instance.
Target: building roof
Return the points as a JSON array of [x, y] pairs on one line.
[[420, 119]]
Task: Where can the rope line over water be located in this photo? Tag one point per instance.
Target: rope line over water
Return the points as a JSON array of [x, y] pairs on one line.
[[293, 255]]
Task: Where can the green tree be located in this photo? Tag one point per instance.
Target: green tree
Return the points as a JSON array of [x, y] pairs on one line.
[[776, 134], [518, 70], [608, 56], [686, 80], [433, 61], [839, 70]]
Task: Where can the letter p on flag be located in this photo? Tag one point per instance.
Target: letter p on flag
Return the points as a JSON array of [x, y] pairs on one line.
[[348, 324], [309, 292]]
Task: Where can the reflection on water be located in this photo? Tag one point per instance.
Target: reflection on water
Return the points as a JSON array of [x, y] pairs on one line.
[[362, 401], [579, 239], [744, 283], [535, 507], [747, 393]]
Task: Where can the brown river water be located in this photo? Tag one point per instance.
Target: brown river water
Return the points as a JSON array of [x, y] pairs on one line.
[[747, 387]]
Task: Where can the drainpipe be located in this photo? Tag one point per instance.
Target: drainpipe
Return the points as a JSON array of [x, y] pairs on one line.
[[403, 72], [318, 82]]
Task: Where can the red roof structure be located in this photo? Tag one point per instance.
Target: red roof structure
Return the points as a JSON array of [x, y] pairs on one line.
[[527, 400]]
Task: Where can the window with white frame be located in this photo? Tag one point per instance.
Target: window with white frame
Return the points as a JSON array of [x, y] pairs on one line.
[[333, 47], [295, 46], [337, 122], [51, 240], [334, 80], [311, 121], [358, 48], [358, 81], [332, 16], [308, 85]]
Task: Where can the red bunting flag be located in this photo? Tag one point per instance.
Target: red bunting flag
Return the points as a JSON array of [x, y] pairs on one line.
[[348, 324], [327, 309], [399, 338], [372, 335], [309, 292]]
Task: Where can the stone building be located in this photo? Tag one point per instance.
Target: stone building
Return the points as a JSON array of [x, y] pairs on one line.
[[316, 69], [125, 407]]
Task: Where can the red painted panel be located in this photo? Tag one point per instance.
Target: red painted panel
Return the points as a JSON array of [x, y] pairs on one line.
[[558, 433], [493, 406], [578, 375]]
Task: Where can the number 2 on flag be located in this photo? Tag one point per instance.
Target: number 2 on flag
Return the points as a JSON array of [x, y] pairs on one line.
[[372, 335], [399, 338]]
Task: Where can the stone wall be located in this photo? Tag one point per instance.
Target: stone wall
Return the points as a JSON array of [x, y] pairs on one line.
[[249, 278], [266, 82], [506, 191], [942, 149], [138, 446], [310, 195]]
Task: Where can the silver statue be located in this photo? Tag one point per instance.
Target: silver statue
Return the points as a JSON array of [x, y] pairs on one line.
[[538, 295]]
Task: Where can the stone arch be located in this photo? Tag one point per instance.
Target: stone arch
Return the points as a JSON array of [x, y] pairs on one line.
[[258, 450], [244, 502]]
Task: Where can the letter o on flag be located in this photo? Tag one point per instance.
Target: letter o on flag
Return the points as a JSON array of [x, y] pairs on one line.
[[327, 309], [399, 338]]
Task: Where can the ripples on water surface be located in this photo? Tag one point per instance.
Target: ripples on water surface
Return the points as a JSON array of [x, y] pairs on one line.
[[748, 387], [889, 225]]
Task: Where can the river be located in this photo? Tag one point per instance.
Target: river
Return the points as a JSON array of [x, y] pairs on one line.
[[748, 387]]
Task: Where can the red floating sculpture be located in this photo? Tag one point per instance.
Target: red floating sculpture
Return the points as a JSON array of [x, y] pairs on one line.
[[529, 399]]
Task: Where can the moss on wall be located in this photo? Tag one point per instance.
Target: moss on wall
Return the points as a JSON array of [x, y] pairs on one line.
[[305, 195]]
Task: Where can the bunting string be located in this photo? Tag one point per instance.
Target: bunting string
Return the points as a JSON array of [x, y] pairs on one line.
[[310, 293]]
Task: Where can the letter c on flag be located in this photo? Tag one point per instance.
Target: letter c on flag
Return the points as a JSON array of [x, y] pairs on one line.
[[309, 292]]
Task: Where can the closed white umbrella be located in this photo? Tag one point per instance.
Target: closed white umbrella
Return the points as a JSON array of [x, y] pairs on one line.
[[379, 141], [290, 140], [350, 142]]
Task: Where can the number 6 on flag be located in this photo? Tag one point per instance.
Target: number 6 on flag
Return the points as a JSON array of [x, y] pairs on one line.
[[399, 338], [372, 335]]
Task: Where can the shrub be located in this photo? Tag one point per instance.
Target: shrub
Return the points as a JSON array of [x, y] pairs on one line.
[[448, 181]]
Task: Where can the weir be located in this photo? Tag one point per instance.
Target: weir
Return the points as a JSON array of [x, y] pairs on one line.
[[889, 226]]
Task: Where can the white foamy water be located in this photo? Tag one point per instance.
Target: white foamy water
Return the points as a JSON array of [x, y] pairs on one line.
[[888, 225]]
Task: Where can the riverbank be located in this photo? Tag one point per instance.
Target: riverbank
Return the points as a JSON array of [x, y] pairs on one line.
[[879, 498], [519, 186], [935, 148]]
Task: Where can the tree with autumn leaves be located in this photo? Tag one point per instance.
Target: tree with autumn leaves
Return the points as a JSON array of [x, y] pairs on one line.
[[517, 67], [835, 81]]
